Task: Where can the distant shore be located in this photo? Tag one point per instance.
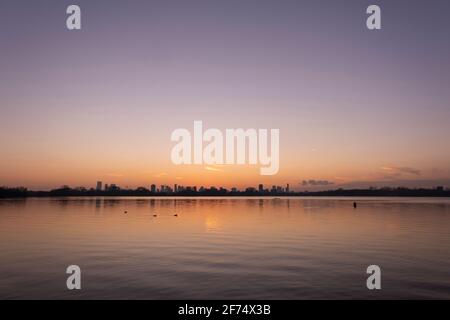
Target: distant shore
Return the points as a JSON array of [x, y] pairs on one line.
[[142, 192]]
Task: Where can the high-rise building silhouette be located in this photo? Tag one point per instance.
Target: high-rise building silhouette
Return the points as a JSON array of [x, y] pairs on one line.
[[260, 188], [99, 186], [153, 188]]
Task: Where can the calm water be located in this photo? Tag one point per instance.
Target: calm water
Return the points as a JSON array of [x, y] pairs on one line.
[[256, 248]]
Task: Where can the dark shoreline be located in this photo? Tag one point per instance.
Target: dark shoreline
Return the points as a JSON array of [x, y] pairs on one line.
[[383, 192]]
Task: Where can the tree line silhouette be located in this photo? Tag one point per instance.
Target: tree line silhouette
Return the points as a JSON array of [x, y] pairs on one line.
[[66, 191]]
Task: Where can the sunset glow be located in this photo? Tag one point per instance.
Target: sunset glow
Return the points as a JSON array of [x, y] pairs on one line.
[[354, 108]]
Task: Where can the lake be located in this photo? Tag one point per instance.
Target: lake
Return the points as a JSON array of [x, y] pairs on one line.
[[225, 248]]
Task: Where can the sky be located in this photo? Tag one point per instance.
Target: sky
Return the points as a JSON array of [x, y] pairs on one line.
[[354, 107]]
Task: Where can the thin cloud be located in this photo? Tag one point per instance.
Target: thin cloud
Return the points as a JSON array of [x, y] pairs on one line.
[[213, 169], [398, 171], [161, 174], [306, 183]]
